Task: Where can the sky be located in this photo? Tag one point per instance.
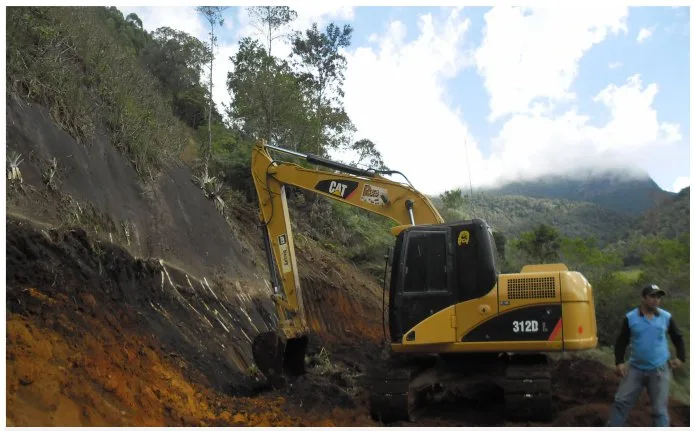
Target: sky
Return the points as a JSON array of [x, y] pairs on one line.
[[476, 96]]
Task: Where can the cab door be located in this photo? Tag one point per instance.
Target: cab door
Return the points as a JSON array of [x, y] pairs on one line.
[[424, 283]]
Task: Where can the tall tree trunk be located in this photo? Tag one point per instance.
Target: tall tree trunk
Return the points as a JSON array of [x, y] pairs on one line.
[[209, 116]]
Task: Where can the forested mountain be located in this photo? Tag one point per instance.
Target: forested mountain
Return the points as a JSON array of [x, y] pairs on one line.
[[615, 190], [515, 214], [669, 217]]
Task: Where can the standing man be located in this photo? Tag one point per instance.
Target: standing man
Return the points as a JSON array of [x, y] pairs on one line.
[[646, 326]]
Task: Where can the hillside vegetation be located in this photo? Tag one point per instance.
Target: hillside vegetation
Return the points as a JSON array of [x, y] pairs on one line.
[[515, 214], [99, 72]]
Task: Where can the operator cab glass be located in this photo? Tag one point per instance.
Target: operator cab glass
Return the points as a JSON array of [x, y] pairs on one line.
[[436, 266]]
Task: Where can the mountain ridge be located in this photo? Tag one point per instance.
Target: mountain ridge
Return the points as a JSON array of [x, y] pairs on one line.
[[612, 189]]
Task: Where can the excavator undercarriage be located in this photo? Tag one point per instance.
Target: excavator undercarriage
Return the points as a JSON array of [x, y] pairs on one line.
[[401, 392]]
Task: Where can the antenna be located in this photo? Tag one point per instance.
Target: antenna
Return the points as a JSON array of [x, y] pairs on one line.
[[469, 178]]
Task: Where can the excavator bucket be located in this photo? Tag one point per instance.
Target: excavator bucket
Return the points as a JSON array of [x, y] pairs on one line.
[[277, 356]]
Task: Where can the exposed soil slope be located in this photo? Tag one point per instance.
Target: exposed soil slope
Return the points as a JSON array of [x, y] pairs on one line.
[[86, 346]]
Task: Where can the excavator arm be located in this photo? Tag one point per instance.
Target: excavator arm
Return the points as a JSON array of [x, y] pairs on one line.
[[276, 353]]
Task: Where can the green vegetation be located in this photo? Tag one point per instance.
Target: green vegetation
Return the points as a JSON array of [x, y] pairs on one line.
[[361, 237], [100, 72], [616, 287], [83, 64], [516, 214]]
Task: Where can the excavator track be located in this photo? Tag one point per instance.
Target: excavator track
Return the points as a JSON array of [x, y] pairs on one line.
[[528, 391], [400, 392], [389, 396]]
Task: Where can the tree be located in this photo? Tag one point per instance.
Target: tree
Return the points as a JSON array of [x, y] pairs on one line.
[[177, 58], [452, 198], [586, 257], [368, 154], [500, 244], [268, 20], [213, 15], [129, 30], [542, 244], [267, 83], [132, 18], [267, 101], [666, 262], [321, 72]]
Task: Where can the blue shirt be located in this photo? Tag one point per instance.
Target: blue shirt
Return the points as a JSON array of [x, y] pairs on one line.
[[649, 344]]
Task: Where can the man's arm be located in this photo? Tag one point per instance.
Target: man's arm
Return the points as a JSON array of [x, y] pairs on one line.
[[677, 340], [620, 346]]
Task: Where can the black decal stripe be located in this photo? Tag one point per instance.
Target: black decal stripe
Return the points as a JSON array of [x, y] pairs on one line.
[[504, 312], [501, 327], [324, 186]]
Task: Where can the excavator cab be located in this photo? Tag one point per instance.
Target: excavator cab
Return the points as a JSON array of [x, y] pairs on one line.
[[438, 266]]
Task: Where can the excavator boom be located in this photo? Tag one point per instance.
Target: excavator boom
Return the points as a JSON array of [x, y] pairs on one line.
[[276, 353]]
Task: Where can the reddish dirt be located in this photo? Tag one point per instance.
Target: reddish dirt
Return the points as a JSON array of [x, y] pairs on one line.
[[85, 349]]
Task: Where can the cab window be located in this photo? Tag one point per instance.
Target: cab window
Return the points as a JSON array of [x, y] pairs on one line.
[[425, 266]]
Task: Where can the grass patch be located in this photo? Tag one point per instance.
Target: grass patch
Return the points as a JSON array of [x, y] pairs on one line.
[[629, 276]]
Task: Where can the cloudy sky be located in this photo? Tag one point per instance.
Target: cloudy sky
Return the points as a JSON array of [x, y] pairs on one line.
[[509, 92]]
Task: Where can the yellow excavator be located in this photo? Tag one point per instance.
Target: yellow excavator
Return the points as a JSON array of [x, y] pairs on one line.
[[454, 320]]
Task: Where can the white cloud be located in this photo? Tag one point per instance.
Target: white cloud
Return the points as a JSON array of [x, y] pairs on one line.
[[615, 65], [530, 54], [644, 34], [534, 145], [679, 184], [669, 132], [221, 67], [395, 95]]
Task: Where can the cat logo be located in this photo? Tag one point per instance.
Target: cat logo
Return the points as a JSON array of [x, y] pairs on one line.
[[463, 237], [337, 187]]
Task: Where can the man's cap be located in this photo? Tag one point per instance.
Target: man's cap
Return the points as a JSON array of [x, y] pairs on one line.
[[652, 288]]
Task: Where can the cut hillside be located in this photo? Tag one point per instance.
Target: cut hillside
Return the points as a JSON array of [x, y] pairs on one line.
[[133, 296]]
